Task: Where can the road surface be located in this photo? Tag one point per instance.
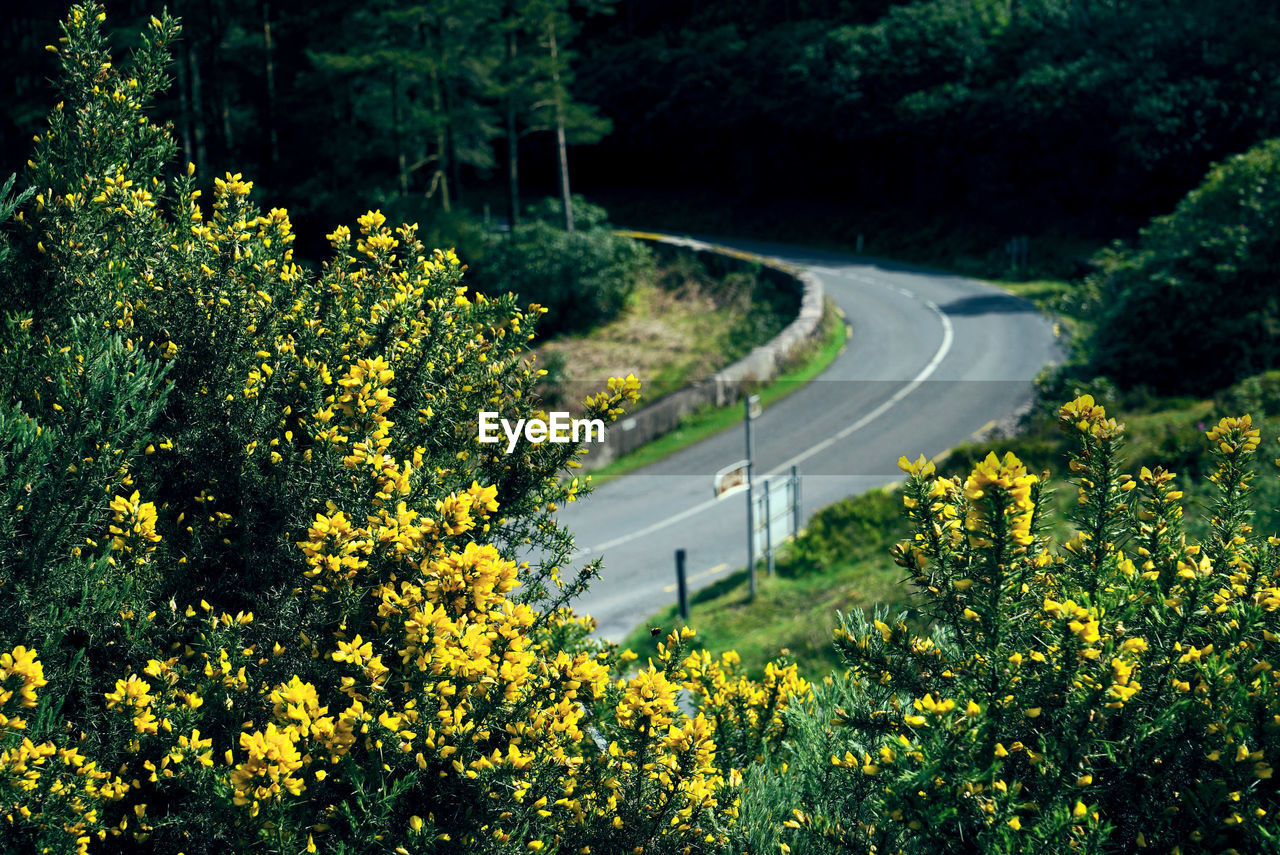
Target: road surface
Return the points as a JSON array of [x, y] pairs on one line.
[[933, 358]]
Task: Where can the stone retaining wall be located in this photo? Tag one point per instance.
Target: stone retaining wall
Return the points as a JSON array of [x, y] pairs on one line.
[[727, 385]]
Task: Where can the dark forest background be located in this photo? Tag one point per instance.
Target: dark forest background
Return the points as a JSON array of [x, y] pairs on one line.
[[930, 127]]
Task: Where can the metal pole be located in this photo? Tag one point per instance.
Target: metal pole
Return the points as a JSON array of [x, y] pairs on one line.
[[768, 527], [795, 502], [751, 510], [681, 586]]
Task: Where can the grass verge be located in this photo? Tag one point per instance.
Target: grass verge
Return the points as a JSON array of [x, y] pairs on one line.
[[681, 322], [709, 421], [841, 562]]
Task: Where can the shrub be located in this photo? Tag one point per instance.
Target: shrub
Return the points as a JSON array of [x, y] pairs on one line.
[[260, 587], [1257, 394], [1114, 694], [1192, 307], [843, 532], [582, 278]]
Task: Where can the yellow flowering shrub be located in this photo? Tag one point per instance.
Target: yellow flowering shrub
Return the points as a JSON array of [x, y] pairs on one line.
[[263, 589], [1111, 693]]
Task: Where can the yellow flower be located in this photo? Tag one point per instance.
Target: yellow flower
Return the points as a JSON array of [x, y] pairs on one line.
[[133, 521], [21, 662], [371, 222], [1087, 630], [234, 185], [1233, 436], [917, 468], [1009, 478], [269, 769], [936, 707], [1087, 417]]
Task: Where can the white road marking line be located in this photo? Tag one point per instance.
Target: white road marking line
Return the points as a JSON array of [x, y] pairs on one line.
[[719, 568], [948, 336], [627, 538]]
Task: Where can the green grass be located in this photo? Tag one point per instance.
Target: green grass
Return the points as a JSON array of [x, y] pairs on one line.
[[840, 562], [1043, 292], [709, 421], [680, 324]]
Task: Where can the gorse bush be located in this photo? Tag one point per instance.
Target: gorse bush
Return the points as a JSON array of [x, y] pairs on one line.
[[279, 391], [582, 278], [260, 587], [1114, 694]]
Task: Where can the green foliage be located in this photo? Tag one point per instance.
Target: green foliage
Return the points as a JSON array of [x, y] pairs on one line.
[[422, 87], [1192, 307], [1036, 115], [8, 205], [64, 594], [582, 278], [936, 128], [1111, 694], [1258, 394], [846, 531]]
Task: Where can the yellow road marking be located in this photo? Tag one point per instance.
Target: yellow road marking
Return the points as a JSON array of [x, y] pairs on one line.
[[719, 568], [977, 434]]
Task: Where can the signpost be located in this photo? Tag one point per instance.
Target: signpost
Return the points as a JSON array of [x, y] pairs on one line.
[[753, 410], [773, 514]]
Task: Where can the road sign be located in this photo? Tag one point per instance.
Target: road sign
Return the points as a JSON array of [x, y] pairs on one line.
[[776, 518], [731, 479], [754, 409]]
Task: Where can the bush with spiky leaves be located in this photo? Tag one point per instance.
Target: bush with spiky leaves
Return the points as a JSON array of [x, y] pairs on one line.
[[1112, 694], [262, 588]]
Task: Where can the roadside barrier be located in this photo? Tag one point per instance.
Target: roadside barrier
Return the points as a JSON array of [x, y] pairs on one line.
[[730, 383]]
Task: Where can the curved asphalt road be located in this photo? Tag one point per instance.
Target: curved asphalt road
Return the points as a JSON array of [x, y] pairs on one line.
[[933, 359]]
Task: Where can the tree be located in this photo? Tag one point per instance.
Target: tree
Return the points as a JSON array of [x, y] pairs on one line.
[[1192, 306], [537, 78], [418, 77]]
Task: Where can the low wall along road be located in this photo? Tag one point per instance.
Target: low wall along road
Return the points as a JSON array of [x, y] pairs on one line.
[[730, 383]]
